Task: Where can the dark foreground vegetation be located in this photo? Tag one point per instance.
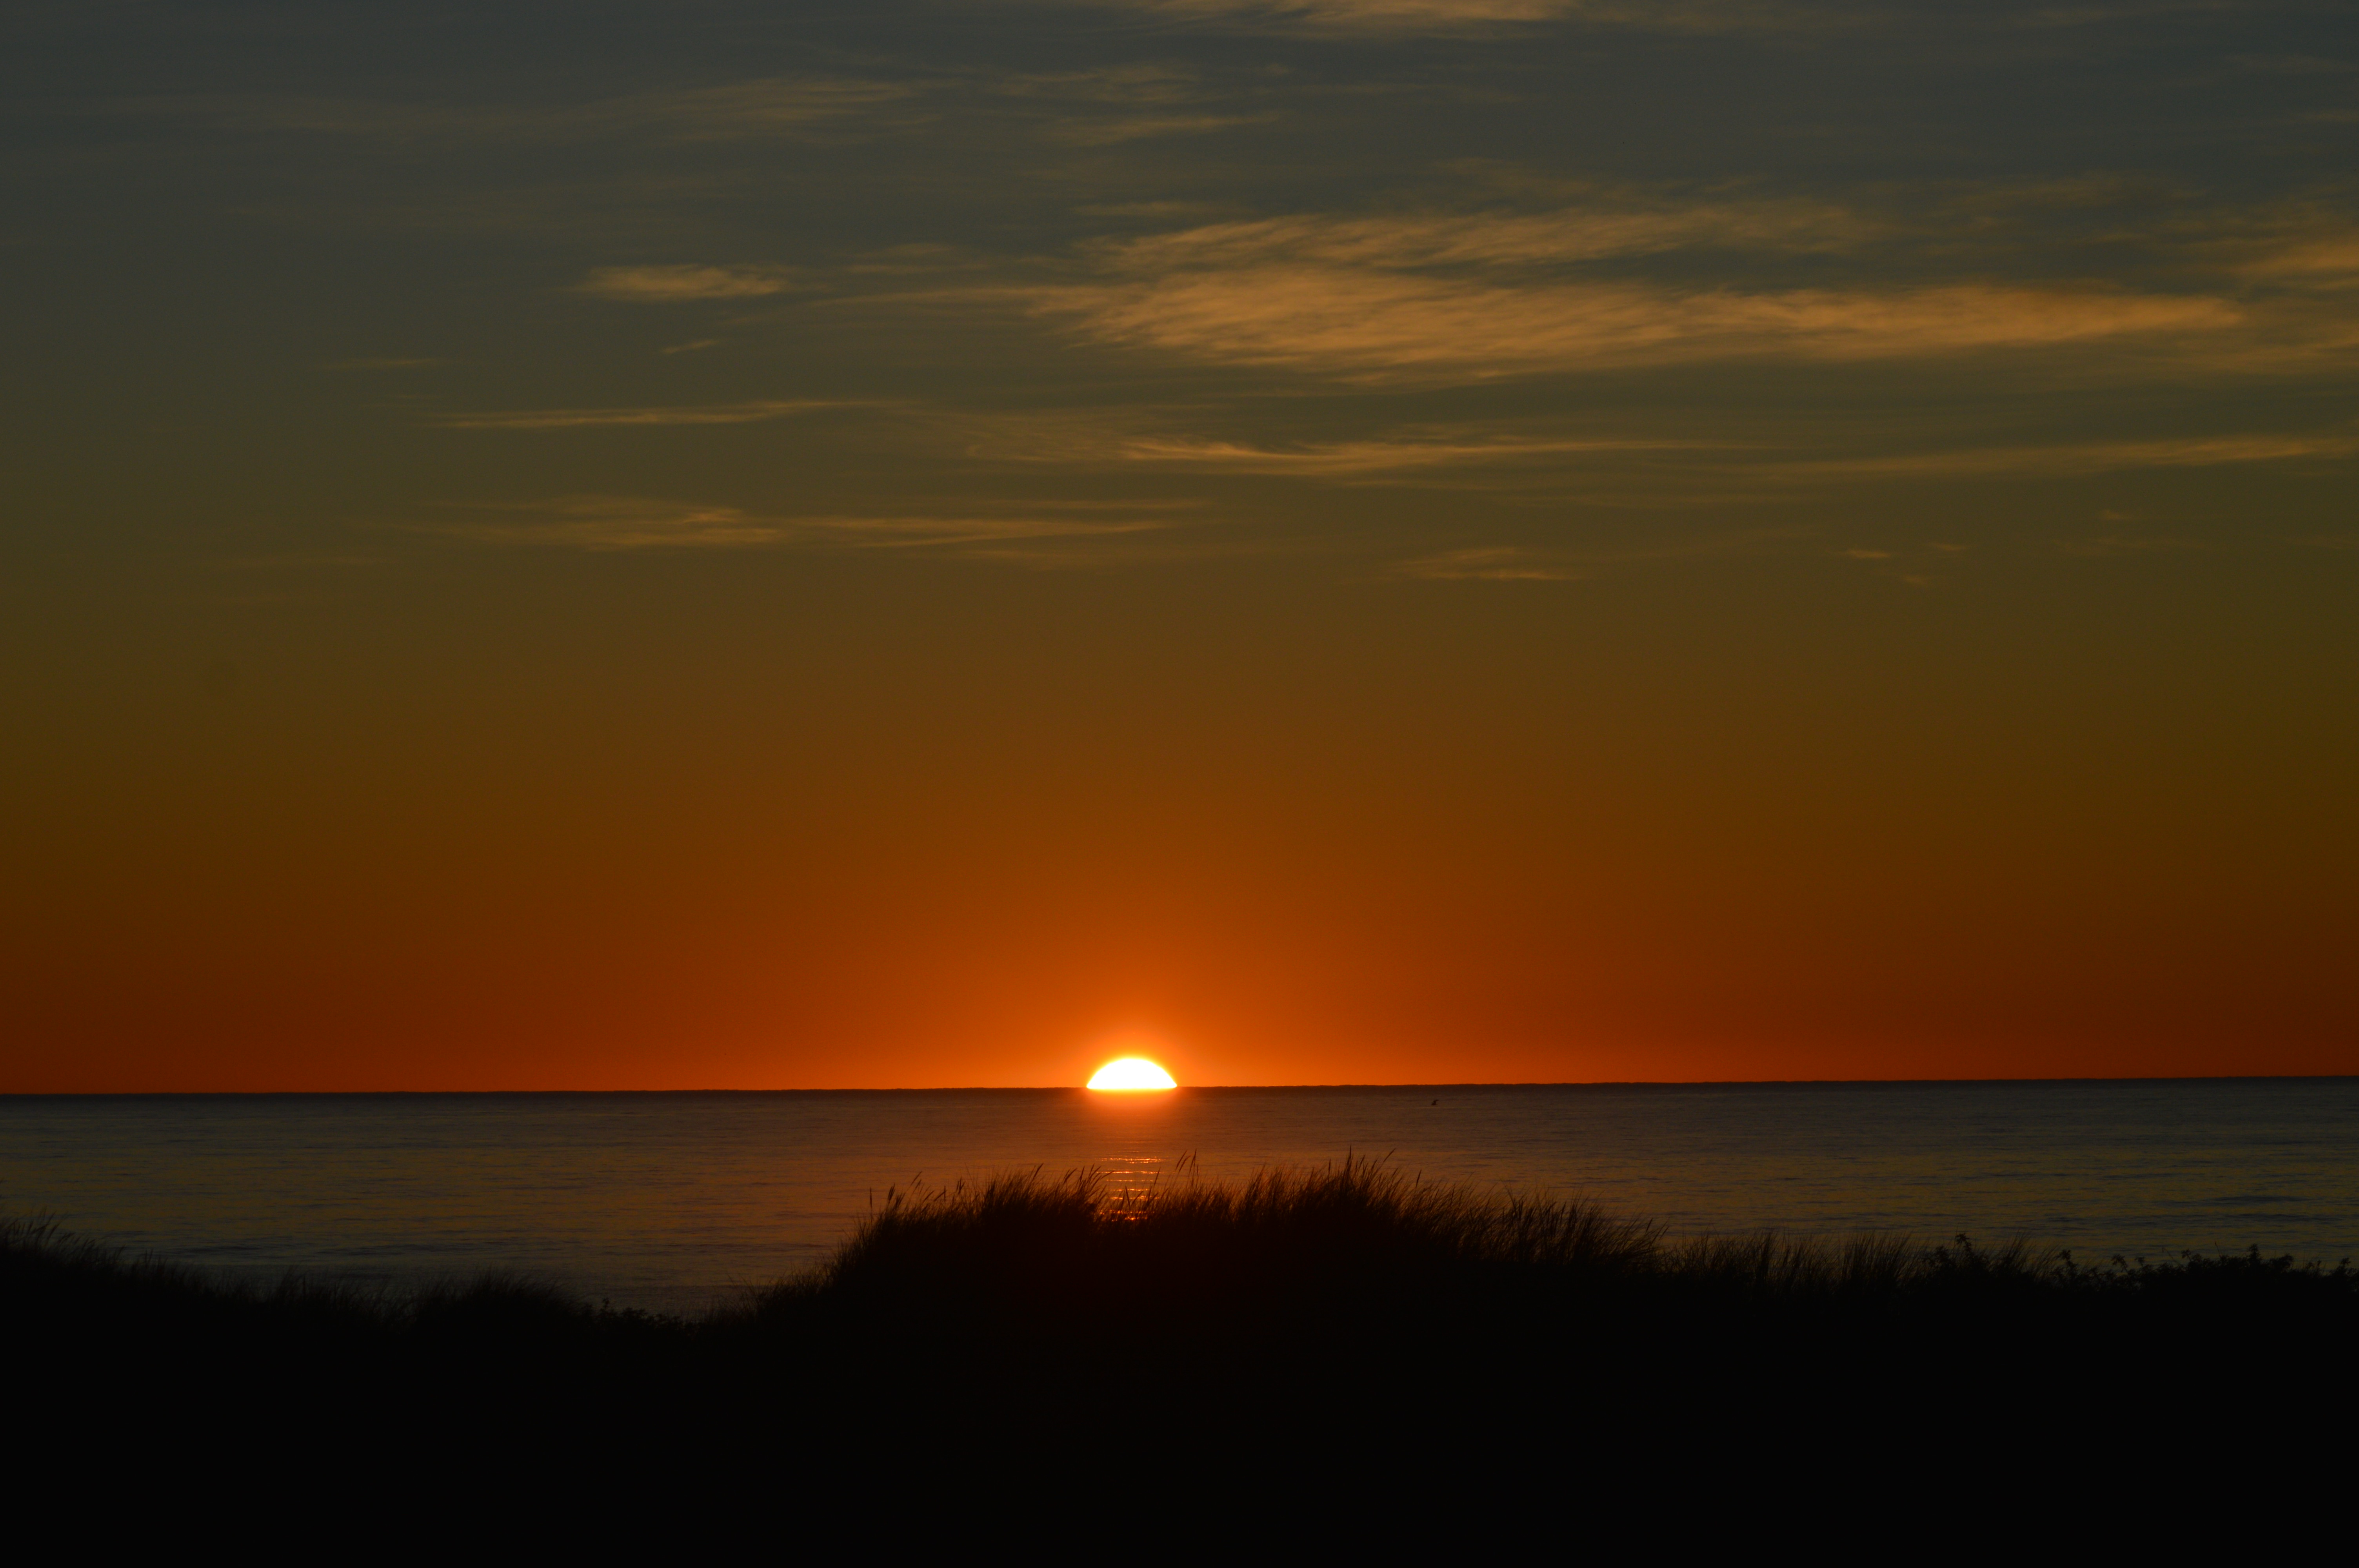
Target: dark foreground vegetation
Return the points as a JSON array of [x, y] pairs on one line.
[[1347, 1339]]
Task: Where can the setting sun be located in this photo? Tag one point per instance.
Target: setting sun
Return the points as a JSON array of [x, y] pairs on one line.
[[1130, 1072]]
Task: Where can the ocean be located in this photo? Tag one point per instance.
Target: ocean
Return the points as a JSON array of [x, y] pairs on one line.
[[673, 1201]]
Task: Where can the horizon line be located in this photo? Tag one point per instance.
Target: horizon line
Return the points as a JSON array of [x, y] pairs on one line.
[[1224, 1088]]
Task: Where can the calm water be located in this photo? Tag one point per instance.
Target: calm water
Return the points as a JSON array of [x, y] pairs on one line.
[[668, 1200]]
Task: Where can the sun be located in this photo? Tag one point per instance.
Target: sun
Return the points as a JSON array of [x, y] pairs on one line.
[[1130, 1074]]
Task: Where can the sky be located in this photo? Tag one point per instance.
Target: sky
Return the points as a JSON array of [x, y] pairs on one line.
[[930, 542]]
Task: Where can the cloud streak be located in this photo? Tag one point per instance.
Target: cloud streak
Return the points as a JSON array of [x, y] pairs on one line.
[[671, 283], [734, 111], [1346, 458], [2064, 460], [1400, 241], [1634, 279], [1362, 324], [622, 522], [690, 413], [1489, 563], [1414, 16]]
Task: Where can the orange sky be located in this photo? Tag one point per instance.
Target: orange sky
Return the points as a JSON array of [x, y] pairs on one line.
[[1347, 543], [1570, 845]]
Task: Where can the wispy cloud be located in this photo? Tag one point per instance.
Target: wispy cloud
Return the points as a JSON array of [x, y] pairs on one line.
[[1401, 241], [1463, 15], [761, 107], [1140, 83], [614, 523], [1100, 104], [1366, 324], [1108, 105], [722, 112], [2332, 260], [2103, 545], [1189, 440], [1568, 563], [1760, 458], [677, 414], [2295, 64], [1110, 131], [670, 282], [1341, 458], [1442, 297], [1489, 563], [2064, 459]]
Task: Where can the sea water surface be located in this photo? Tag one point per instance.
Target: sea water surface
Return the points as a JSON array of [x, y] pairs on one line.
[[673, 1201]]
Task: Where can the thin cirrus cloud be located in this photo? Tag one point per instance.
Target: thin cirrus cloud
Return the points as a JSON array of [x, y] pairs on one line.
[[1456, 298], [1113, 131], [1344, 459], [1490, 563], [386, 364], [676, 413], [1710, 463], [1762, 460], [1131, 101], [1402, 241], [2297, 246], [622, 522], [2332, 262], [671, 283], [723, 112], [2328, 260], [1528, 563], [1368, 325], [2066, 460], [1109, 105], [1176, 438], [1459, 15]]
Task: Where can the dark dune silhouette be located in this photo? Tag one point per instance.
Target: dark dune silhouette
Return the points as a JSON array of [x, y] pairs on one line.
[[1348, 1330]]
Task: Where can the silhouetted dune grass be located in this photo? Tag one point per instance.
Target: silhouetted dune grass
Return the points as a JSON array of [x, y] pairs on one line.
[[1364, 1291], [1502, 1337], [1356, 1234]]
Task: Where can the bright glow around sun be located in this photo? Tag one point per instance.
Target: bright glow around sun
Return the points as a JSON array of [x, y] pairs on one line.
[[1131, 1074]]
